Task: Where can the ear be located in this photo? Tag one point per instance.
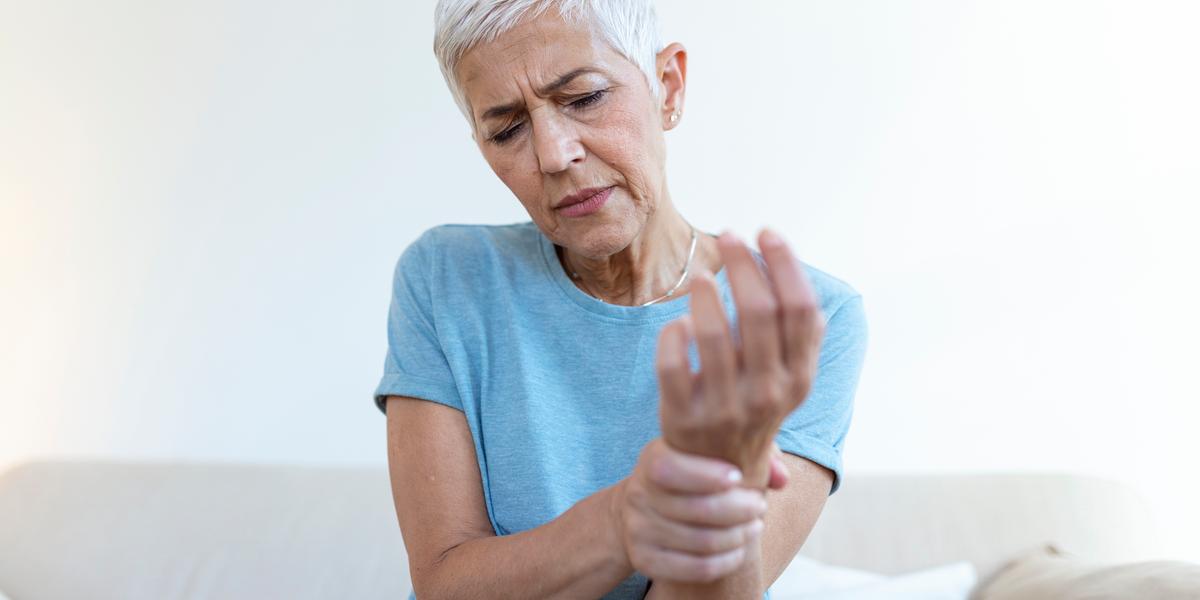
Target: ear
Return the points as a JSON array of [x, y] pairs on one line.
[[671, 68]]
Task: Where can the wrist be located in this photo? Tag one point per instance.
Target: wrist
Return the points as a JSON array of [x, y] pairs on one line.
[[757, 474], [615, 528]]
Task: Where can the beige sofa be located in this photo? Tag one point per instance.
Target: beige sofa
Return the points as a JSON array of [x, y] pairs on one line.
[[167, 530]]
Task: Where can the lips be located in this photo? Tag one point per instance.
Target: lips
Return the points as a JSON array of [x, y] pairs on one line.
[[580, 196], [590, 206]]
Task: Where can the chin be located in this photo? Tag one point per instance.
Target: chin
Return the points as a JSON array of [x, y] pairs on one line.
[[603, 234], [597, 240]]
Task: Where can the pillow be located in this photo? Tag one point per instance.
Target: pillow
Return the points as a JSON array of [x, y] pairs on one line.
[[805, 576], [807, 579], [1050, 574]]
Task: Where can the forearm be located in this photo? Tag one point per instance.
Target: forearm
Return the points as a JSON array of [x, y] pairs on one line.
[[576, 555]]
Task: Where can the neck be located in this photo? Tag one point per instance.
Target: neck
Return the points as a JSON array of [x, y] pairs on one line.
[[648, 267]]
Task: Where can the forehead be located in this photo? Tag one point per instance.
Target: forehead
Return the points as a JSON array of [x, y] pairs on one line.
[[531, 55]]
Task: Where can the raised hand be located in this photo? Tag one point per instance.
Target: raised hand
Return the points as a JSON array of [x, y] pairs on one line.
[[734, 406]]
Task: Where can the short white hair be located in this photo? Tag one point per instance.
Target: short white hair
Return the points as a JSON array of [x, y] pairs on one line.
[[629, 26]]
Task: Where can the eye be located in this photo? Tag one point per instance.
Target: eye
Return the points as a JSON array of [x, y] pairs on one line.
[[507, 134], [588, 100]]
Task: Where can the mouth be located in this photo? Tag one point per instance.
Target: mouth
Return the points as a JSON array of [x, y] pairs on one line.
[[587, 206], [580, 196]]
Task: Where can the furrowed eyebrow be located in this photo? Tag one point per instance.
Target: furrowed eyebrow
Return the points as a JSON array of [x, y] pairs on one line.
[[507, 109], [500, 111], [565, 79]]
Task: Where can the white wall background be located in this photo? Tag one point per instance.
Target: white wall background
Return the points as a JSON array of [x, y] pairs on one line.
[[202, 203]]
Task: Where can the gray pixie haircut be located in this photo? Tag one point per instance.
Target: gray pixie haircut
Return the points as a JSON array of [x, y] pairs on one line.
[[629, 26]]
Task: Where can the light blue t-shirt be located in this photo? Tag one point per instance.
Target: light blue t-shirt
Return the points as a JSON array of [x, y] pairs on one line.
[[558, 388]]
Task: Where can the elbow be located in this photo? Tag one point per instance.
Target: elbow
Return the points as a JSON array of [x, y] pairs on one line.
[[428, 583], [424, 586], [433, 579]]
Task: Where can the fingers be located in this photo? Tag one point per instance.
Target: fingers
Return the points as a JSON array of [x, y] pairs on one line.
[[723, 509], [670, 565], [683, 473], [803, 325], [674, 370], [687, 549], [757, 308], [718, 358], [704, 541]]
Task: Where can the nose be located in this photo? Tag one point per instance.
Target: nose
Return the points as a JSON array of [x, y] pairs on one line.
[[555, 141]]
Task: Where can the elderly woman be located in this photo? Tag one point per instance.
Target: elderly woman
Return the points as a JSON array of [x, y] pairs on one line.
[[603, 401]]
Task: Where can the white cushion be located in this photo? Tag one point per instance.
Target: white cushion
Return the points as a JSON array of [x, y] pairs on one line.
[[807, 579]]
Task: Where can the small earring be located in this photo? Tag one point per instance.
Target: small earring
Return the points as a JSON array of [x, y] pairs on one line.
[[675, 116]]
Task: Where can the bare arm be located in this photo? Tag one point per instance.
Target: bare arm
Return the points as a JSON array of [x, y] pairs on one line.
[[791, 514], [452, 548]]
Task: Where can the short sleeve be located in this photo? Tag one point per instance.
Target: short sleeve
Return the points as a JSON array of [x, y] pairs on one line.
[[817, 428], [415, 364]]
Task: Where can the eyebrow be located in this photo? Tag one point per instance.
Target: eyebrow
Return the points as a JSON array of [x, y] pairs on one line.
[[562, 81]]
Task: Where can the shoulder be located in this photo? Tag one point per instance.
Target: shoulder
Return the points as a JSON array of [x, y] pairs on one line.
[[456, 236], [832, 292], [463, 245], [846, 330], [471, 263]]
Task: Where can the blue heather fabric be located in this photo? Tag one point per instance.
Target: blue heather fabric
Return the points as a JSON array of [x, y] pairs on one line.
[[559, 389]]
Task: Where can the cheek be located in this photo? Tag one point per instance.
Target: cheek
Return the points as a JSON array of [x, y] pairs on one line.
[[639, 163], [522, 180]]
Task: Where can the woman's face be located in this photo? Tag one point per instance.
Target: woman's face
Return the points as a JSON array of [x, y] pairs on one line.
[[556, 110]]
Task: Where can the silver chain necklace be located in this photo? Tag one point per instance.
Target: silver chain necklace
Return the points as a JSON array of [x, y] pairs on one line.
[[682, 276]]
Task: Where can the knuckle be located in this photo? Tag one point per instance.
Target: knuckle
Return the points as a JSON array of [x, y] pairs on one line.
[[751, 505], [799, 308], [706, 570], [760, 407], [663, 367], [702, 508], [798, 386], [768, 396], [639, 559], [635, 524], [668, 373], [770, 393], [707, 542], [793, 309], [637, 496], [660, 469], [761, 310], [712, 568], [710, 336]]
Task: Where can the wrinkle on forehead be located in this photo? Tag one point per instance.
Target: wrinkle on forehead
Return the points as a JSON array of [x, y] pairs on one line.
[[537, 50]]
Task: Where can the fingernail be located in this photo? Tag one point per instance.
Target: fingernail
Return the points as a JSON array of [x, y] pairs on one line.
[[734, 476]]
